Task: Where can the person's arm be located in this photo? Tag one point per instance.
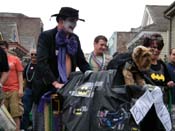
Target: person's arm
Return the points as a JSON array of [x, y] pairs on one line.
[[168, 79], [4, 77], [170, 82], [43, 49], [4, 67], [24, 77], [20, 79], [19, 71]]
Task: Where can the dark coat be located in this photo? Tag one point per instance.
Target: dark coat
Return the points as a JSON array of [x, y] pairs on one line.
[[4, 67], [46, 70]]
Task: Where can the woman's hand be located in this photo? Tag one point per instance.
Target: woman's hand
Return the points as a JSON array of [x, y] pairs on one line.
[[171, 84]]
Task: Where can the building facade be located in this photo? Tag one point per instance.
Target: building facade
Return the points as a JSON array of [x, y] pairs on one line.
[[153, 21], [170, 15], [118, 42], [21, 30]]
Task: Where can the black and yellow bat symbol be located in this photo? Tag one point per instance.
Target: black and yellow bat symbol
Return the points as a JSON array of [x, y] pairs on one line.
[[83, 91], [159, 77]]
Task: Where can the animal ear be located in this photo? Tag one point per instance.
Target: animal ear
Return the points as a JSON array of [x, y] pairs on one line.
[[137, 52]]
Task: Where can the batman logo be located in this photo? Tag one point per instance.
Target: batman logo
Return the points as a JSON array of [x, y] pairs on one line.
[[159, 77], [77, 111], [83, 91]]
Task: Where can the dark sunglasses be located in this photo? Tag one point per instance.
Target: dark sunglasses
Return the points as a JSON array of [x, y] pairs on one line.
[[157, 47], [33, 54]]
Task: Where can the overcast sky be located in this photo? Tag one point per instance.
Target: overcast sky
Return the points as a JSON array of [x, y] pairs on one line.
[[103, 17]]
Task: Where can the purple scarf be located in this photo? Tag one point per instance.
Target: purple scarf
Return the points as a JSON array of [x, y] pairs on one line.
[[65, 46], [46, 98]]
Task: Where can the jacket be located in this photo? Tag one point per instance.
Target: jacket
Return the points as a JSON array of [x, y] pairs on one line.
[[46, 70]]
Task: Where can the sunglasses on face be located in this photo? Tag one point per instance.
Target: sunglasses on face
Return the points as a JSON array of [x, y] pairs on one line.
[[157, 47], [33, 54]]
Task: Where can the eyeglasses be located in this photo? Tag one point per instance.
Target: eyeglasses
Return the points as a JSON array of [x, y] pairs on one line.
[[33, 54], [157, 47]]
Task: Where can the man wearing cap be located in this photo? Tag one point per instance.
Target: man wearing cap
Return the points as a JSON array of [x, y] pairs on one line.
[[58, 54]]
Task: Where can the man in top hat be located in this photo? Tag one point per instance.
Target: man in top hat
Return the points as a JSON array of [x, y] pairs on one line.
[[58, 54]]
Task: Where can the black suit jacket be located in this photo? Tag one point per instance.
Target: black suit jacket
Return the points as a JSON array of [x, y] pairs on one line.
[[46, 70]]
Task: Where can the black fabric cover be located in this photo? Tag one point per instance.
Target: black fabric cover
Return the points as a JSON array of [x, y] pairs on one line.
[[117, 63], [119, 60], [93, 102]]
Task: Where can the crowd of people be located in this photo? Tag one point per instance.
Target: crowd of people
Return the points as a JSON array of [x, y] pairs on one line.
[[58, 54]]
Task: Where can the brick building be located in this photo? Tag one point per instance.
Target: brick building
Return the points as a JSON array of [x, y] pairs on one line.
[[20, 31]]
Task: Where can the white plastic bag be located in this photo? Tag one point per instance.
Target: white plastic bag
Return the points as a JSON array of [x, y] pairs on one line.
[[6, 121]]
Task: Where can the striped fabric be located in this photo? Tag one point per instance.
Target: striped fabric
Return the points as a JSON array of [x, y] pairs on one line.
[[37, 118], [50, 119]]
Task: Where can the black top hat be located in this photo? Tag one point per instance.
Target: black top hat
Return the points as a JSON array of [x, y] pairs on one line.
[[68, 12]]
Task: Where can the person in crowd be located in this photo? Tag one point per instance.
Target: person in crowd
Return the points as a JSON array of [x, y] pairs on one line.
[[171, 69], [97, 59], [58, 54], [158, 68], [4, 70], [13, 87], [28, 75]]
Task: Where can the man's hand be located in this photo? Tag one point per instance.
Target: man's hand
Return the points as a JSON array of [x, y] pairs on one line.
[[57, 85], [20, 93]]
